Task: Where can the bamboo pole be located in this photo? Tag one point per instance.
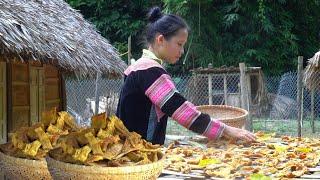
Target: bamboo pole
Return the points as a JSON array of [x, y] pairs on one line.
[[299, 94], [129, 50]]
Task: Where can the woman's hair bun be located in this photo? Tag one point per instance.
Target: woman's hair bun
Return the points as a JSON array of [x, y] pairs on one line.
[[154, 14]]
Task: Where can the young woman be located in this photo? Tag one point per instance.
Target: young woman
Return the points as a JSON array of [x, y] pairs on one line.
[[148, 96]]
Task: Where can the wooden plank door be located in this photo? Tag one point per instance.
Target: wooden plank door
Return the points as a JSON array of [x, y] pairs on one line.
[[18, 96], [53, 94], [3, 103], [41, 90], [36, 93]]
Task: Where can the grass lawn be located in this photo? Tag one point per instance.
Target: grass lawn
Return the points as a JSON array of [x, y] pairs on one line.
[[281, 127]]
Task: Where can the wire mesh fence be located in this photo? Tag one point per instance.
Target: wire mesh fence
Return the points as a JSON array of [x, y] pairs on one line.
[[274, 105], [282, 116], [81, 96]]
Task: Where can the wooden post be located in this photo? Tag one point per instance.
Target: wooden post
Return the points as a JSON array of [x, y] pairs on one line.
[[249, 100], [244, 94], [225, 89], [210, 85], [312, 111], [96, 111], [129, 50], [248, 78], [3, 106], [63, 101], [299, 93], [3, 103], [37, 94]]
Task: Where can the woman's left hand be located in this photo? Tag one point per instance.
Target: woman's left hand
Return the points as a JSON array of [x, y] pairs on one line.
[[237, 133]]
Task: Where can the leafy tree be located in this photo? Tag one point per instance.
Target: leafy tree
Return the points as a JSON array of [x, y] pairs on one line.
[[117, 20], [266, 33]]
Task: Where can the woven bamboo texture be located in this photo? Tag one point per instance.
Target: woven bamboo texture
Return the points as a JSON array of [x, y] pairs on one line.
[[60, 170], [26, 169], [232, 116]]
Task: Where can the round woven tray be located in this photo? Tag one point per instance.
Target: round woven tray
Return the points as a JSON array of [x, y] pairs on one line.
[[232, 116], [61, 170], [19, 168]]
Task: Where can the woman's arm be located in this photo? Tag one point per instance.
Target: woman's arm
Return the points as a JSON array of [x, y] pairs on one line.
[[160, 89]]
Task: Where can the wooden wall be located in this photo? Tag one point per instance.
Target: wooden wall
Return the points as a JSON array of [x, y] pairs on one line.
[[32, 88], [3, 103], [53, 93], [18, 95]]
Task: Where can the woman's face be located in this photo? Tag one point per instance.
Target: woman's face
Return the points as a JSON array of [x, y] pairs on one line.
[[172, 49]]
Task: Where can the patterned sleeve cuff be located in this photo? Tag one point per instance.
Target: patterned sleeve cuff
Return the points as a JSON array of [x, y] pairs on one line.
[[223, 127], [214, 130]]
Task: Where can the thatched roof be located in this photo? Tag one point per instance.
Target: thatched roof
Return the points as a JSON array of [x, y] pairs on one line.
[[312, 72], [52, 32]]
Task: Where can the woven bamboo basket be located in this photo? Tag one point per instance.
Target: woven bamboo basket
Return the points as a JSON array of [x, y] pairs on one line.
[[19, 168], [61, 170], [232, 116]]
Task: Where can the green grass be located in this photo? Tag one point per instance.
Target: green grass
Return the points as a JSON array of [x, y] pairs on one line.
[[281, 127], [287, 127], [173, 128]]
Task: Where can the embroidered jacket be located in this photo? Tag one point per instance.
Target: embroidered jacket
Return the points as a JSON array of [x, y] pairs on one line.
[[148, 89]]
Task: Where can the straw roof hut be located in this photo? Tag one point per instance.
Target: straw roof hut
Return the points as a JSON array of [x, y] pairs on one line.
[[52, 32], [312, 72], [40, 40]]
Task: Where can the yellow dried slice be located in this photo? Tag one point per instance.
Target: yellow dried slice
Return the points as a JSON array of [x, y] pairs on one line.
[[19, 140], [99, 121], [113, 152], [31, 149], [54, 129], [119, 126], [32, 135], [102, 134], [259, 177], [94, 158], [60, 121], [68, 120], [49, 117], [43, 138], [94, 144], [206, 162], [81, 154]]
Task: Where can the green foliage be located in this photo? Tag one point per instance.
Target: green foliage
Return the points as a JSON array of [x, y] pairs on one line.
[[266, 33], [117, 20]]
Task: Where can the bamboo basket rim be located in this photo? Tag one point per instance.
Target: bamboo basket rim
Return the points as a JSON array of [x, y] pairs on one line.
[[222, 107], [22, 161], [23, 168], [104, 169]]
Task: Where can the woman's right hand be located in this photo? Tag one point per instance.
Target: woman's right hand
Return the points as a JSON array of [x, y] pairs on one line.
[[236, 133]]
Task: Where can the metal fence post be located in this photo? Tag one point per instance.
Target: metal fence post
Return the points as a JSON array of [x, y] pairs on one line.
[[299, 93]]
